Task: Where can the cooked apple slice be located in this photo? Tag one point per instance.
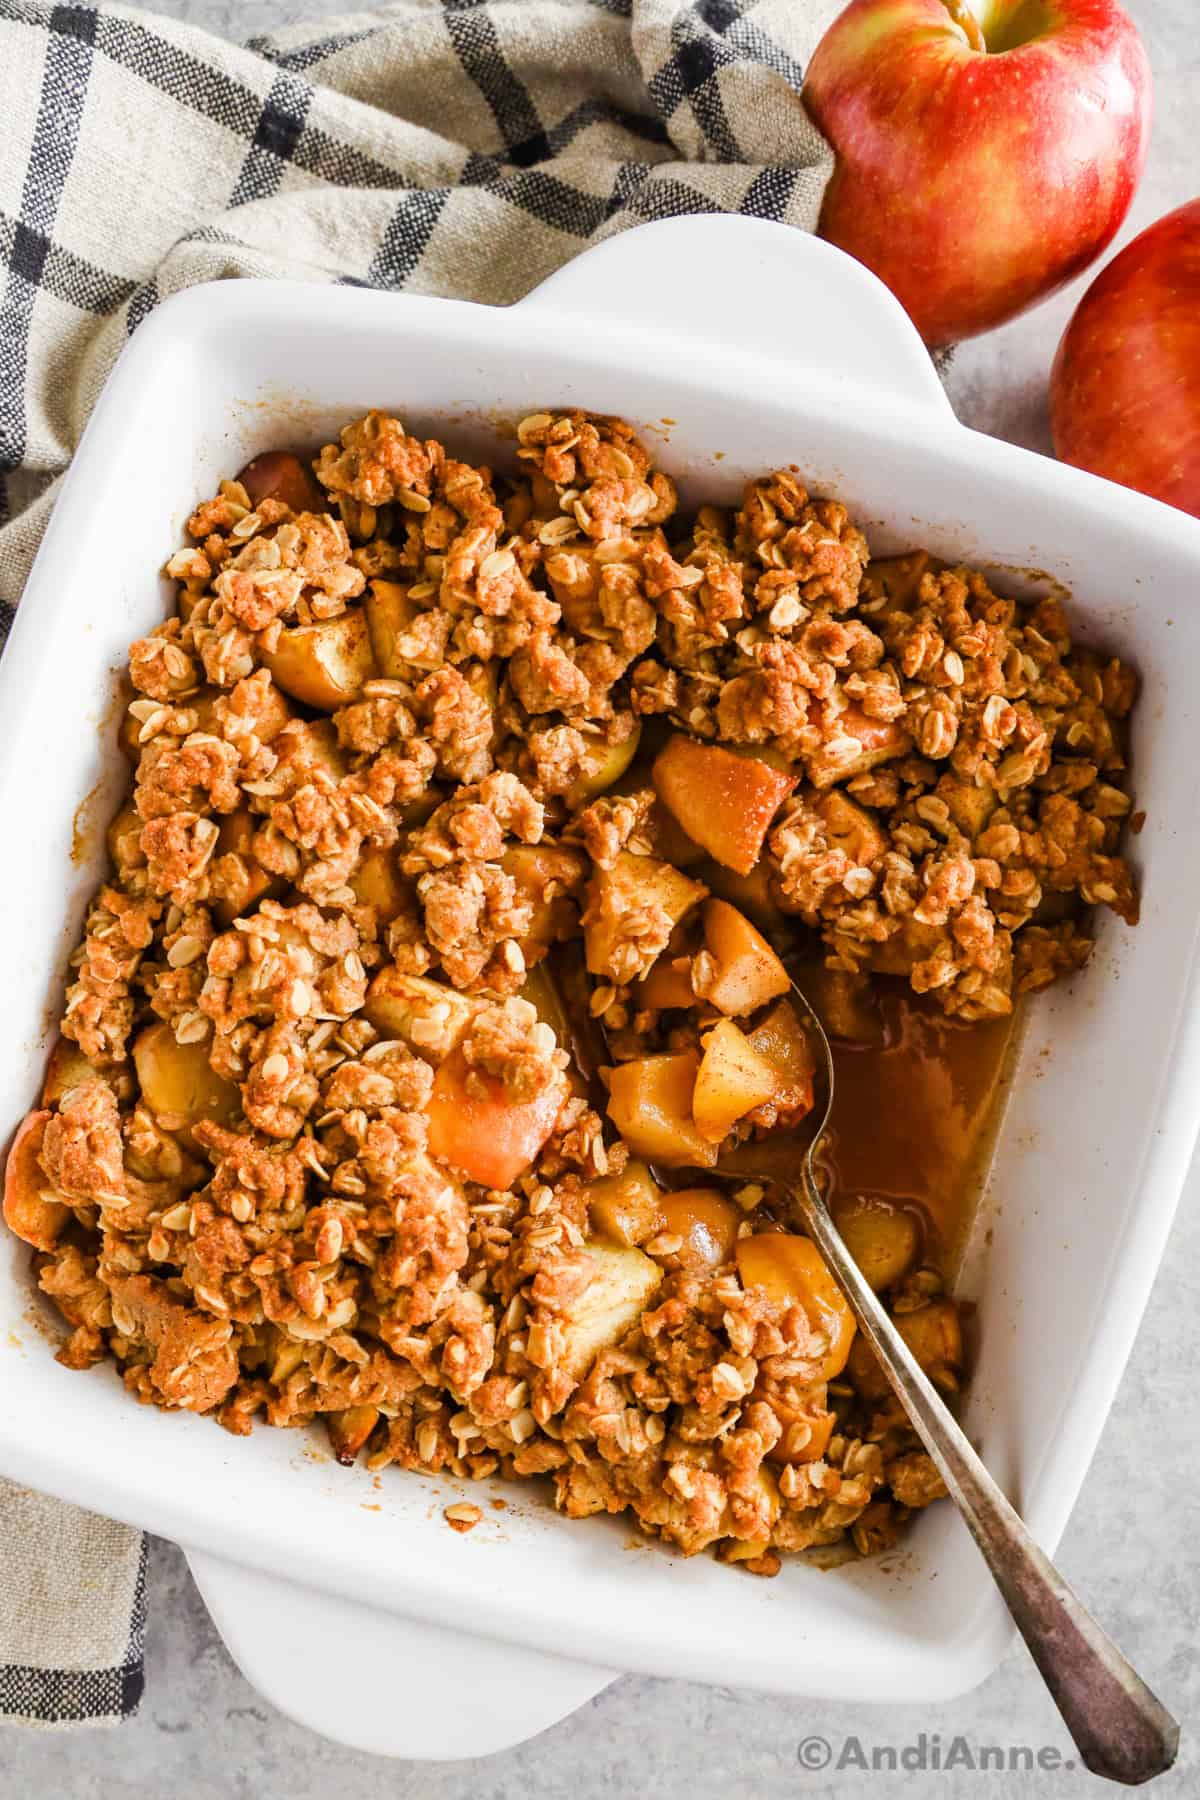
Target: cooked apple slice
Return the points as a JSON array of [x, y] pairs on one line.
[[790, 1270], [426, 1015], [895, 578], [882, 1239], [179, 1082], [847, 1005], [377, 882], [550, 877], [390, 614], [32, 1206], [650, 1103], [279, 475], [879, 740], [670, 840], [668, 986], [67, 1069], [487, 1137], [725, 802], [933, 1334], [124, 840], [850, 827], [628, 1208], [634, 884], [706, 1221], [614, 1299], [782, 1041], [324, 665], [807, 1429], [748, 971], [605, 766], [245, 882], [732, 1080]]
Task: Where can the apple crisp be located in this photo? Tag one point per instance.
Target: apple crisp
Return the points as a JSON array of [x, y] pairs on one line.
[[436, 987]]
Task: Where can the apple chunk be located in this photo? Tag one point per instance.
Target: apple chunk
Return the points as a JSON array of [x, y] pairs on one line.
[[178, 1081], [377, 882], [791, 1270], [634, 885], [668, 986], [550, 877], [708, 1224], [488, 1137], [725, 802], [615, 1298], [280, 475], [32, 1208], [605, 764], [882, 1239], [878, 740], [732, 1080], [324, 665], [933, 1334], [626, 1208], [67, 1069], [390, 614], [850, 827], [650, 1103], [781, 1040], [245, 882], [426, 1015], [748, 972]]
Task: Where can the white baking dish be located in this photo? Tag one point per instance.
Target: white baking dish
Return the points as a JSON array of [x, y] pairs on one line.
[[742, 345]]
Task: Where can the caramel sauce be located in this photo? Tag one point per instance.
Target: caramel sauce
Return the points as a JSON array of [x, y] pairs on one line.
[[913, 1112]]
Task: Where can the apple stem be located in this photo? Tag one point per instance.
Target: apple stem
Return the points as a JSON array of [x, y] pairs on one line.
[[964, 18]]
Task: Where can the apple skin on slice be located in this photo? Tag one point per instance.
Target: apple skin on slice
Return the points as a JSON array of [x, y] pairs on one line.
[[30, 1208], [280, 475], [487, 1137]]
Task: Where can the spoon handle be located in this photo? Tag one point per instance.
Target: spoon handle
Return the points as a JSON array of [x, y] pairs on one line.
[[1122, 1731]]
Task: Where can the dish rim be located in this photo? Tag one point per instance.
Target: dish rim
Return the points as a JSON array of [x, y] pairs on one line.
[[1166, 1152]]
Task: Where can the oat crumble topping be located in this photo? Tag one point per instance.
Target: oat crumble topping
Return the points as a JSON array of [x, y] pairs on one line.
[[426, 932]]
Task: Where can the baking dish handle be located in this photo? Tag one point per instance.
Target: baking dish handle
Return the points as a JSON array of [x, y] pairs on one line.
[[391, 1686], [741, 285]]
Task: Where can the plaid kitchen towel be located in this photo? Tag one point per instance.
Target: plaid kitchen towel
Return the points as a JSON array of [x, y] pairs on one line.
[[457, 147], [72, 1611]]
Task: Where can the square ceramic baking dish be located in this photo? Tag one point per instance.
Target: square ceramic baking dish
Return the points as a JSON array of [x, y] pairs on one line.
[[738, 346]]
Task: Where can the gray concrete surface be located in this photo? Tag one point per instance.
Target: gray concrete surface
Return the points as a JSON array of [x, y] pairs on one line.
[[1131, 1548]]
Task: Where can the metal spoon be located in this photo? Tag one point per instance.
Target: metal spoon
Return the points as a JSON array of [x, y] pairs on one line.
[[1122, 1731]]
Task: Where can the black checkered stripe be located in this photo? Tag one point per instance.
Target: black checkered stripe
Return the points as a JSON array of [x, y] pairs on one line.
[[653, 135], [31, 1695]]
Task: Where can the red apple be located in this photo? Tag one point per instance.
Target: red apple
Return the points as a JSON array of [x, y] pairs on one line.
[[985, 153], [1125, 389]]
